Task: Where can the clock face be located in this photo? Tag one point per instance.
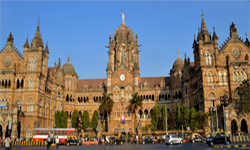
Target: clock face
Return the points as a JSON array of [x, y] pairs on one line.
[[122, 77]]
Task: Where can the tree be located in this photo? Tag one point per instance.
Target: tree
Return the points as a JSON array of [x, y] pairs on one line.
[[85, 120], [171, 120], [155, 116], [202, 117], [185, 116], [63, 119], [134, 104], [192, 121], [94, 121], [106, 106], [178, 116], [164, 114], [244, 93], [57, 119], [75, 119]]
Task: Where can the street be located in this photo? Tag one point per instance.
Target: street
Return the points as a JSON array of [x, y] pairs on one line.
[[185, 146]]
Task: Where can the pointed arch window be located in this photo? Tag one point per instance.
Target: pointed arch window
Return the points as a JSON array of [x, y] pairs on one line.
[[69, 83], [241, 76], [220, 77], [238, 77], [225, 77], [245, 76], [234, 76], [208, 58]]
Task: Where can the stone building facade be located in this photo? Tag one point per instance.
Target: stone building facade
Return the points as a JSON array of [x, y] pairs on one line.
[[32, 91]]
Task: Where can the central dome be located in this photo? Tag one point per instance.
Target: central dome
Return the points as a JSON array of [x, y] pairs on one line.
[[123, 32]]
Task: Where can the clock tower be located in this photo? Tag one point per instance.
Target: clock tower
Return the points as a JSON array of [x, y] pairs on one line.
[[123, 71]]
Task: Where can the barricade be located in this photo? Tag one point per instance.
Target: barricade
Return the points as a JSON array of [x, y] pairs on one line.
[[240, 139]]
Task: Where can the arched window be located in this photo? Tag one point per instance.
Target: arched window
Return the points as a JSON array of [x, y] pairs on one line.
[[238, 76], [66, 82], [17, 84], [69, 83], [245, 76], [208, 57], [225, 77], [220, 77], [241, 76], [234, 76]]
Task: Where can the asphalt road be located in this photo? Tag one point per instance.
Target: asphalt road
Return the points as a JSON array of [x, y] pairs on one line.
[[185, 146]]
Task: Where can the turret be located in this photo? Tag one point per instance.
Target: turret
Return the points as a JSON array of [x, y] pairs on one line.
[[233, 30]]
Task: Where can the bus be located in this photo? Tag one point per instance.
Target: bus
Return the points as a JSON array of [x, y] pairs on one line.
[[41, 134]]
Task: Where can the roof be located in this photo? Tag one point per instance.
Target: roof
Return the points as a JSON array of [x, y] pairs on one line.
[[94, 83], [155, 80], [52, 70]]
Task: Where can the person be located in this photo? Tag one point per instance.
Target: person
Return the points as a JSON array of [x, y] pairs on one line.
[[100, 140], [136, 139], [57, 142], [48, 141], [7, 143]]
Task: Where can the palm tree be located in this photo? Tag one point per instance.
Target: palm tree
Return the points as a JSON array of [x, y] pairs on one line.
[[135, 102], [106, 106]]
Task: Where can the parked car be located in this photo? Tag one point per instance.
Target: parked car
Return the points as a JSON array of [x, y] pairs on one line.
[[148, 140], [196, 137], [173, 139], [218, 138], [116, 141], [161, 140], [72, 140]]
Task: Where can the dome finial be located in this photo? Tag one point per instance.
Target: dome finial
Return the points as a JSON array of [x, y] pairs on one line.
[[68, 58], [246, 34], [123, 16], [178, 54]]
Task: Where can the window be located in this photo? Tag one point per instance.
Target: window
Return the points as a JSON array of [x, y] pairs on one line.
[[220, 77], [241, 76], [245, 76], [225, 77], [234, 77], [208, 58]]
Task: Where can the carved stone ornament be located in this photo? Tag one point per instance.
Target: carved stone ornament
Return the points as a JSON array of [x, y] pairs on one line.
[[7, 61], [236, 52]]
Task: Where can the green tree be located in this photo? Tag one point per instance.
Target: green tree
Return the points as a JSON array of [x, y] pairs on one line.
[[155, 116], [192, 120], [134, 105], [202, 118], [244, 93], [63, 119], [171, 120], [185, 116], [85, 120], [106, 106], [178, 116], [75, 119], [57, 119], [164, 114], [94, 121]]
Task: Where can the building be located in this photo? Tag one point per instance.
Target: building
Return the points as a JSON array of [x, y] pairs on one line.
[[32, 91]]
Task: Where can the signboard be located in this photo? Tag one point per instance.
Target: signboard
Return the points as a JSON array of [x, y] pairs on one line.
[[122, 119], [2, 105]]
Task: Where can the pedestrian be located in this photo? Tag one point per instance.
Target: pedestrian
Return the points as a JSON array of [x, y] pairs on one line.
[[48, 141], [57, 142], [136, 139], [7, 143]]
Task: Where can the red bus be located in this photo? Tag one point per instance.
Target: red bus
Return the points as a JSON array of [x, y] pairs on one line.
[[41, 134]]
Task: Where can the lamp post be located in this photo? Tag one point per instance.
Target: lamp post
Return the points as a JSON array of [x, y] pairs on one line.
[[166, 120]]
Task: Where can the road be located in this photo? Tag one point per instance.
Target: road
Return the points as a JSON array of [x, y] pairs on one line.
[[185, 146]]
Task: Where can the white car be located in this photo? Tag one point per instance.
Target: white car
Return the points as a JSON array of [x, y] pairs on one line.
[[173, 139]]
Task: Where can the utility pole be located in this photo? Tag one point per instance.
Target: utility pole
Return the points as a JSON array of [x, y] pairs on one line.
[[217, 128], [166, 120], [225, 125], [212, 130]]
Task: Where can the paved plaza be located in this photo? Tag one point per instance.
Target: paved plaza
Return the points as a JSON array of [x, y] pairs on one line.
[[185, 146]]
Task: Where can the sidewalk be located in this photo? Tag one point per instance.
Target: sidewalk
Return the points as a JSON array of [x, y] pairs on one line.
[[232, 145]]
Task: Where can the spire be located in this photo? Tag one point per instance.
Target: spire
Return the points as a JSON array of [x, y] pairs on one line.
[[37, 41], [46, 50], [247, 41], [194, 43], [203, 25], [233, 30], [136, 37], [68, 58], [215, 37], [10, 38], [178, 54], [26, 44]]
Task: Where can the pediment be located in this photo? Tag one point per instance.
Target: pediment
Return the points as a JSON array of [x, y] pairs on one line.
[[10, 49]]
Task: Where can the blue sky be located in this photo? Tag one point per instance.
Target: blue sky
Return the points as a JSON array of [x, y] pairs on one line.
[[81, 29]]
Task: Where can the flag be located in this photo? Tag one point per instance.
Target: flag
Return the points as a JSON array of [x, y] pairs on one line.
[[123, 44]]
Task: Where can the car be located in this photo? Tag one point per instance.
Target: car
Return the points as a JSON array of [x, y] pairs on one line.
[[161, 140], [196, 137], [240, 133], [116, 141], [148, 140], [218, 138], [72, 140], [173, 139]]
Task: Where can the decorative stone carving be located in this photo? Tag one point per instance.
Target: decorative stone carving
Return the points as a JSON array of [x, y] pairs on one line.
[[7, 61], [236, 52]]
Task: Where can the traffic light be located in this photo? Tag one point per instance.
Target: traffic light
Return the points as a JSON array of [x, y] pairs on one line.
[[222, 100]]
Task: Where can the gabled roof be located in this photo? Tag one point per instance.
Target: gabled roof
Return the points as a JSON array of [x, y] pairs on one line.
[[155, 81], [94, 83]]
